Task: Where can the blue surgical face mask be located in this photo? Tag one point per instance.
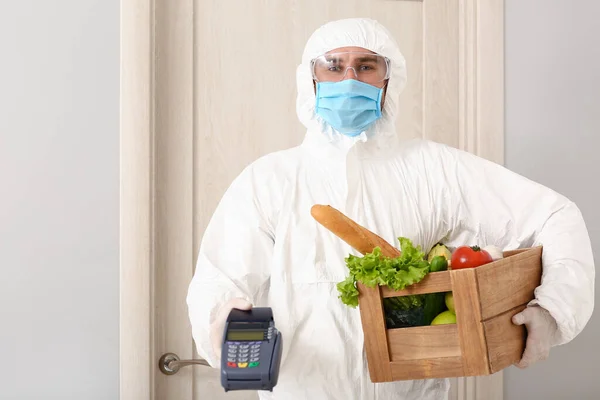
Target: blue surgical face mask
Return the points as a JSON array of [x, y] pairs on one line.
[[349, 106]]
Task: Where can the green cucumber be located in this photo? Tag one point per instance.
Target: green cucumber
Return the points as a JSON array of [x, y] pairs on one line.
[[438, 263]]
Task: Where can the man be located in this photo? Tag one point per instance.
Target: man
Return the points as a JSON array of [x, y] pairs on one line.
[[263, 248]]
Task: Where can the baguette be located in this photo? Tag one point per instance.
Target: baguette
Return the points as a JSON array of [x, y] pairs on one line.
[[360, 238]]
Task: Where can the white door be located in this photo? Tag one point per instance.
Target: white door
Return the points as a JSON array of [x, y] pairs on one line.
[[207, 86]]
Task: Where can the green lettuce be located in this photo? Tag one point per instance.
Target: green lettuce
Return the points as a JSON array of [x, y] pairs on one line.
[[375, 269]]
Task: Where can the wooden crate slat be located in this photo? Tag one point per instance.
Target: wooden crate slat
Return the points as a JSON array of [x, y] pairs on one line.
[[423, 342], [434, 282], [375, 335], [427, 369], [509, 282], [505, 340], [468, 318], [510, 253]]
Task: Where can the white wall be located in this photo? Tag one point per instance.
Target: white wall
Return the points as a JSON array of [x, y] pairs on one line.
[[59, 232], [553, 137]]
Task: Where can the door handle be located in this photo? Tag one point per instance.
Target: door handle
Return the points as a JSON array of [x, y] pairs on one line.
[[170, 363]]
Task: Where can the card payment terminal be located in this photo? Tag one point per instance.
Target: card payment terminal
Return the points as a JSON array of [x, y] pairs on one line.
[[251, 352]]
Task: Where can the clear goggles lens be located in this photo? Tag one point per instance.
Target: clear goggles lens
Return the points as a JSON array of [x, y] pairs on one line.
[[365, 67]]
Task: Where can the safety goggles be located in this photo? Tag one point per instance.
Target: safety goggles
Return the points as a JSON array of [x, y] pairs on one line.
[[365, 67]]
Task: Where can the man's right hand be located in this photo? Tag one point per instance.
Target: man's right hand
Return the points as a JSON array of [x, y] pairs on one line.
[[217, 327]]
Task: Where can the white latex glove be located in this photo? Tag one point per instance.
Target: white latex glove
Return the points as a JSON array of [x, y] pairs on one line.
[[218, 325], [541, 334]]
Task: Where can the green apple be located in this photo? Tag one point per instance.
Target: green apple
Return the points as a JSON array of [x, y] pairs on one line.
[[445, 317], [450, 302]]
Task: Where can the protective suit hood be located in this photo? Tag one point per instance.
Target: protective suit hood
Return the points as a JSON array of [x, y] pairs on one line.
[[354, 32]]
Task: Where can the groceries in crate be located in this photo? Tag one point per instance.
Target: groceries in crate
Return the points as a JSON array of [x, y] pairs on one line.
[[413, 310], [450, 302], [439, 250], [445, 317], [463, 257], [469, 257], [422, 309], [410, 267], [494, 251], [438, 263], [374, 268], [384, 265]]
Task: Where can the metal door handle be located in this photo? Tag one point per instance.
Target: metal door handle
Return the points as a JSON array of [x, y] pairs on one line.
[[170, 364]]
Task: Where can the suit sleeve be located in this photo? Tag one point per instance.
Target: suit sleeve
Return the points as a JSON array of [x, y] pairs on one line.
[[502, 208], [234, 259]]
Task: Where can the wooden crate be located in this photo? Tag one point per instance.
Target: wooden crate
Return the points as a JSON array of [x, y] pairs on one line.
[[483, 341]]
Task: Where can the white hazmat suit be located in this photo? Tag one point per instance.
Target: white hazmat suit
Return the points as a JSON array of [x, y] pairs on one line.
[[262, 244]]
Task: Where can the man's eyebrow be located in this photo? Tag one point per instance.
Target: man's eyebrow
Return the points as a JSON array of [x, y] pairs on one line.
[[334, 58], [368, 58]]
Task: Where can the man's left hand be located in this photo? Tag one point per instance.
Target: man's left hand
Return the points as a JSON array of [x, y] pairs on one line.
[[541, 333]]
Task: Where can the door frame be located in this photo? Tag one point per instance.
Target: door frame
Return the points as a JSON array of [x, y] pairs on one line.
[[481, 124]]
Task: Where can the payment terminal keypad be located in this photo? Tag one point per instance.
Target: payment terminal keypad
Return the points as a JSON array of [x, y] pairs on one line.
[[243, 354]]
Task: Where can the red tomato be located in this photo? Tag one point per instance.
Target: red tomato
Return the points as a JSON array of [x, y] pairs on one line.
[[469, 257]]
